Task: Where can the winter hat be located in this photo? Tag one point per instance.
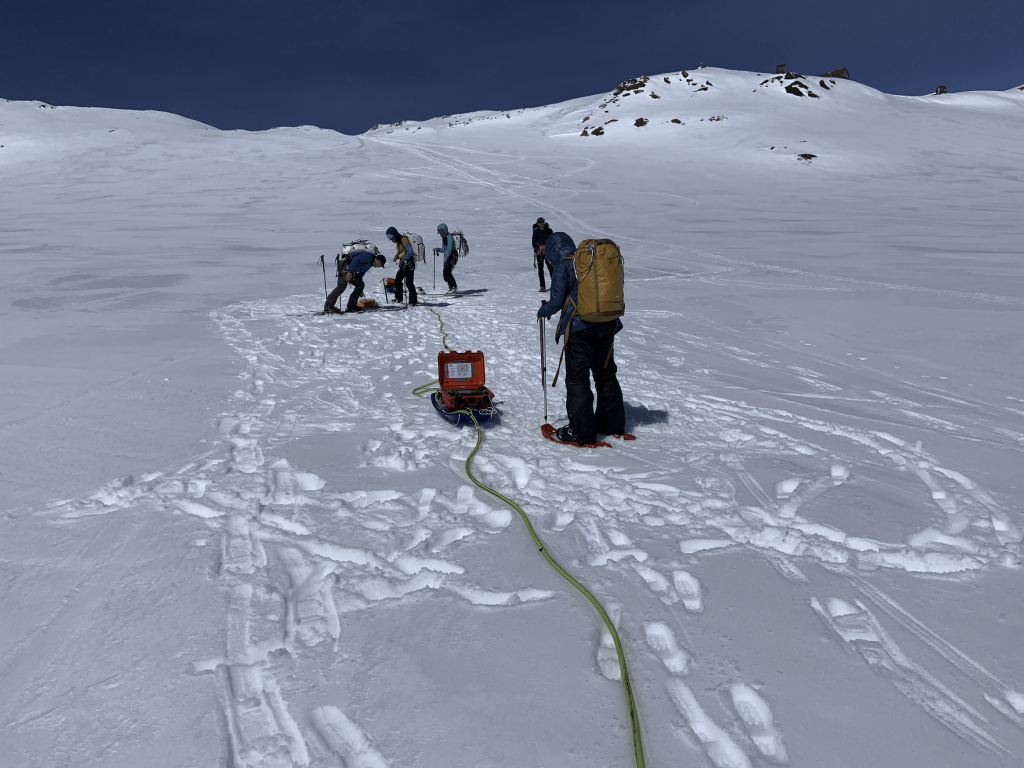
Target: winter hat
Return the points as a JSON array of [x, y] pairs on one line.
[[392, 233], [442, 228], [541, 222]]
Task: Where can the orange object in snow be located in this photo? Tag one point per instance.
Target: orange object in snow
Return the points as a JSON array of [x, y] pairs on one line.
[[461, 378]]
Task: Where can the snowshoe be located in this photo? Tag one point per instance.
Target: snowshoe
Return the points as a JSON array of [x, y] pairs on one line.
[[565, 436]]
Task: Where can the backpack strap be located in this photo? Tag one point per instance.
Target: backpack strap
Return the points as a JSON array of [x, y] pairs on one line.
[[565, 341], [568, 328]]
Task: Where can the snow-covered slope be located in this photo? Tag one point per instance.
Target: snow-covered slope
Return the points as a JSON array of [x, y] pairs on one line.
[[231, 535], [750, 118]]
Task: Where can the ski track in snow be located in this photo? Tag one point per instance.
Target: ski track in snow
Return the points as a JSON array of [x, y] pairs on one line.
[[289, 588]]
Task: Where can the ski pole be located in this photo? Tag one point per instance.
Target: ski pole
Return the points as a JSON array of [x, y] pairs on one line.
[[435, 269], [323, 266], [543, 364]]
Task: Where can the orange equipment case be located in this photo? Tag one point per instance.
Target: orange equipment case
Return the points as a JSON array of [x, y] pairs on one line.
[[461, 379]]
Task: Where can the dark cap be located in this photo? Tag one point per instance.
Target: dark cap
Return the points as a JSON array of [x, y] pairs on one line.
[[541, 221]]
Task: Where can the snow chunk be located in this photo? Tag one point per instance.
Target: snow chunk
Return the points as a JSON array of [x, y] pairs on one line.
[[784, 488], [197, 509], [692, 546]]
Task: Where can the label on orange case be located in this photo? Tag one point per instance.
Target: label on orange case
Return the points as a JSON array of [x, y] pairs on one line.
[[460, 370]]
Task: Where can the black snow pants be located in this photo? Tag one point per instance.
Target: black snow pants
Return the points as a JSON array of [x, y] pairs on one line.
[[448, 276], [357, 292], [585, 354], [335, 294], [541, 263], [406, 272]]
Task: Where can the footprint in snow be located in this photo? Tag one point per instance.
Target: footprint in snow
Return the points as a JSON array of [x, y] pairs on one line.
[[718, 745], [663, 642], [759, 722]]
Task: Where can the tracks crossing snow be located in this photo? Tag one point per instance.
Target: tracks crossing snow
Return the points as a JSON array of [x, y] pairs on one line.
[[290, 588], [710, 474]]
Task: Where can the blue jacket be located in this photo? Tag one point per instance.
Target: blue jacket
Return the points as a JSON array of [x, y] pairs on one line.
[[558, 251], [360, 263], [448, 242]]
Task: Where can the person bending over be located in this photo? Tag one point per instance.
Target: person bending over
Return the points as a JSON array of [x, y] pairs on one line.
[[359, 264]]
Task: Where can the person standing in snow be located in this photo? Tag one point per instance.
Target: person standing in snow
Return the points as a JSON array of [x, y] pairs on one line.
[[541, 233], [351, 272], [588, 351], [451, 257], [406, 258]]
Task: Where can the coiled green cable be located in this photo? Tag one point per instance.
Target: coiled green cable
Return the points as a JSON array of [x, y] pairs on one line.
[[634, 718]]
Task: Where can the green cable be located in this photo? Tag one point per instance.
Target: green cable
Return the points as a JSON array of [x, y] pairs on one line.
[[444, 333], [634, 718], [420, 391]]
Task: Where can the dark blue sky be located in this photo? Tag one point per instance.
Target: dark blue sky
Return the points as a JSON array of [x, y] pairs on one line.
[[255, 64]]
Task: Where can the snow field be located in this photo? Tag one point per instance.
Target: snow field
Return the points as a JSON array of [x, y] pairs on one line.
[[811, 552], [267, 513]]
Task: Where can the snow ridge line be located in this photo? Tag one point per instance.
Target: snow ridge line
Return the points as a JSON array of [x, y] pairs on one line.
[[634, 717]]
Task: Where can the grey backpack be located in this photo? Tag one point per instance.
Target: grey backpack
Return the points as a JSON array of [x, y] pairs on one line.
[[418, 248], [359, 245], [461, 244]]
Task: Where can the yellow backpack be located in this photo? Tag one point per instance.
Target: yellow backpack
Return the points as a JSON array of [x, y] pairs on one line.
[[601, 281], [598, 265]]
